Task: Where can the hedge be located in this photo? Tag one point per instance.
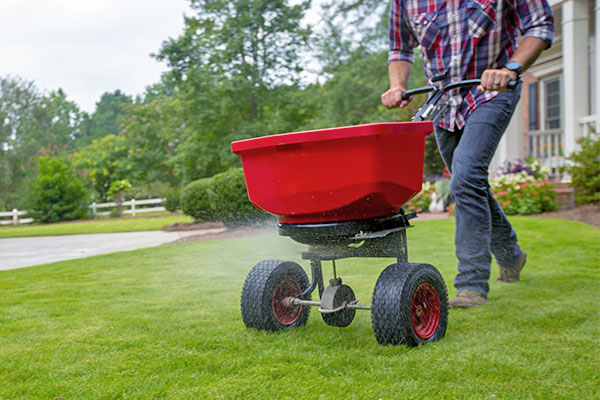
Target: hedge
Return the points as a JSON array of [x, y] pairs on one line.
[[196, 200], [223, 197]]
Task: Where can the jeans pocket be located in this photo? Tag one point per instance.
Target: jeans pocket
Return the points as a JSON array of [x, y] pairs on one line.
[[481, 17]]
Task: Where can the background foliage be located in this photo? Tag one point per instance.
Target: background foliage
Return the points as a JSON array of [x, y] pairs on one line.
[[239, 69], [585, 170]]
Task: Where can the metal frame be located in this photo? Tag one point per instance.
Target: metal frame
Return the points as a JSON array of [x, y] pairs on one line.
[[335, 241]]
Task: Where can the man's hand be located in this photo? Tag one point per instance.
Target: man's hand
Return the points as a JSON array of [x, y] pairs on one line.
[[496, 79], [393, 98]]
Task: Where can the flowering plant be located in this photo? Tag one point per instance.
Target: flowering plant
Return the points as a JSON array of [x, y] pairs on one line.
[[122, 186], [531, 166], [523, 194], [422, 200]]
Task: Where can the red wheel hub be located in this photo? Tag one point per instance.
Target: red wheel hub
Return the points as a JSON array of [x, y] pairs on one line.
[[286, 315], [425, 311]]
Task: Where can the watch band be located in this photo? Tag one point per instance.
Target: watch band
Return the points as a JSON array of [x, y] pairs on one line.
[[514, 66]]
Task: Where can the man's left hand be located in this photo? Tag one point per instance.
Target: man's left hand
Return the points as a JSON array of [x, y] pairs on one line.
[[496, 79]]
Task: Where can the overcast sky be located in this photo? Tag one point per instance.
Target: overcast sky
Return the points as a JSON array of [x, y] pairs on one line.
[[87, 47]]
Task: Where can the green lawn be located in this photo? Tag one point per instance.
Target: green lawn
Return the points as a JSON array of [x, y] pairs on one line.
[[131, 224], [164, 322]]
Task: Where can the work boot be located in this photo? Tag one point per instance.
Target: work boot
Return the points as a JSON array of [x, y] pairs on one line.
[[508, 274], [467, 298]]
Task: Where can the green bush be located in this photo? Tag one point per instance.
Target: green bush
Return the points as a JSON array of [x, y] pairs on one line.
[[231, 199], [585, 171], [197, 200], [171, 198], [221, 198], [56, 194], [523, 194]]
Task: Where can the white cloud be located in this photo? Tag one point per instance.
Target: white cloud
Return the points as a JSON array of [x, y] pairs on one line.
[[87, 47]]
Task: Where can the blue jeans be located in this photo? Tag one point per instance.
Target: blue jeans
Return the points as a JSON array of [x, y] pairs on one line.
[[481, 226]]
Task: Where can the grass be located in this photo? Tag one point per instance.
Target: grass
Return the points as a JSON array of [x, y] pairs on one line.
[[131, 224], [164, 322]]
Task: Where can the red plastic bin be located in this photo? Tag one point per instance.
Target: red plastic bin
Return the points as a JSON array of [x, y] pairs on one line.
[[336, 174]]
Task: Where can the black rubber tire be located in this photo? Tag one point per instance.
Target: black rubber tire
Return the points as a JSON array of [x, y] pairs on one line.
[[259, 290], [342, 318], [392, 300]]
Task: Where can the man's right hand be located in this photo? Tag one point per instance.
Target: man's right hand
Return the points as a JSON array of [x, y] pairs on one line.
[[393, 98]]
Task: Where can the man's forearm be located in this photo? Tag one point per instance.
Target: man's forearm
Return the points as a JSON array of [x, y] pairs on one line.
[[399, 72], [528, 51]]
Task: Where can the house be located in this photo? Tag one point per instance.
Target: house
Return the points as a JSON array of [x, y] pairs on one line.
[[560, 98]]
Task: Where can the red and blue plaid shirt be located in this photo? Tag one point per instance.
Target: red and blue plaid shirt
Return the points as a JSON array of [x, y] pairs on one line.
[[464, 38]]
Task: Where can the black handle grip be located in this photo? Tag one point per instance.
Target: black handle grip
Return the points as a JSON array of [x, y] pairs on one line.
[[512, 84], [466, 83], [409, 93]]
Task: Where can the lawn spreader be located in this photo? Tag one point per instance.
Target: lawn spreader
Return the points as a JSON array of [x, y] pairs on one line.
[[340, 191]]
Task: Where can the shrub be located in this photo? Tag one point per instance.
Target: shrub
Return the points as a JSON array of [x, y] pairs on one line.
[[118, 191], [171, 198], [196, 200], [119, 187], [231, 199], [442, 189], [56, 194], [585, 171], [433, 164], [223, 197], [523, 194]]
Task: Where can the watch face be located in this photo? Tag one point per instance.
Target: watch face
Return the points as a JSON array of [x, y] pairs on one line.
[[514, 66]]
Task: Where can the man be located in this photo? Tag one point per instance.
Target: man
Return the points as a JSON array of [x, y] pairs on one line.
[[468, 40]]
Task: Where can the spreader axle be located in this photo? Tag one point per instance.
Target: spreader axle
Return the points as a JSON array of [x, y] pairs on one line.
[[294, 301]]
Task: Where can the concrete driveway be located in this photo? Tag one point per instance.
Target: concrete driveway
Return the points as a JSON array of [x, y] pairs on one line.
[[29, 251]]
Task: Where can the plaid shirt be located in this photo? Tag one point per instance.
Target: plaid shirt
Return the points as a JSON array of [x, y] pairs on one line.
[[464, 38]]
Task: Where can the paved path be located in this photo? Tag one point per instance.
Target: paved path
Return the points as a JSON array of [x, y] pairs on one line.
[[29, 251]]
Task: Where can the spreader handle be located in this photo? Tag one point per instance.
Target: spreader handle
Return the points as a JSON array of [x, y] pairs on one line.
[[410, 93], [466, 83]]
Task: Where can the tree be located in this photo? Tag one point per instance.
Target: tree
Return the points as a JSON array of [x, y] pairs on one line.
[[56, 194], [227, 68], [154, 132], [104, 120], [29, 121], [105, 160]]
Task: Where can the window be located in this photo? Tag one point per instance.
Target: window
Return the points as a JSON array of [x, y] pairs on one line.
[[533, 107], [552, 98]]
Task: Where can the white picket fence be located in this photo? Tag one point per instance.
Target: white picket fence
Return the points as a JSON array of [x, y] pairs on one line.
[[14, 218], [131, 204], [130, 207]]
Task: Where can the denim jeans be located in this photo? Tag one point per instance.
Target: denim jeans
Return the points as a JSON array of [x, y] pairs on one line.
[[481, 226]]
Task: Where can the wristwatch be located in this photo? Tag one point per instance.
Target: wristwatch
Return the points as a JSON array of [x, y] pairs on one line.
[[514, 66]]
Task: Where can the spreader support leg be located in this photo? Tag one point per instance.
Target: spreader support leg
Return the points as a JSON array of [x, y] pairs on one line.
[[317, 279]]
